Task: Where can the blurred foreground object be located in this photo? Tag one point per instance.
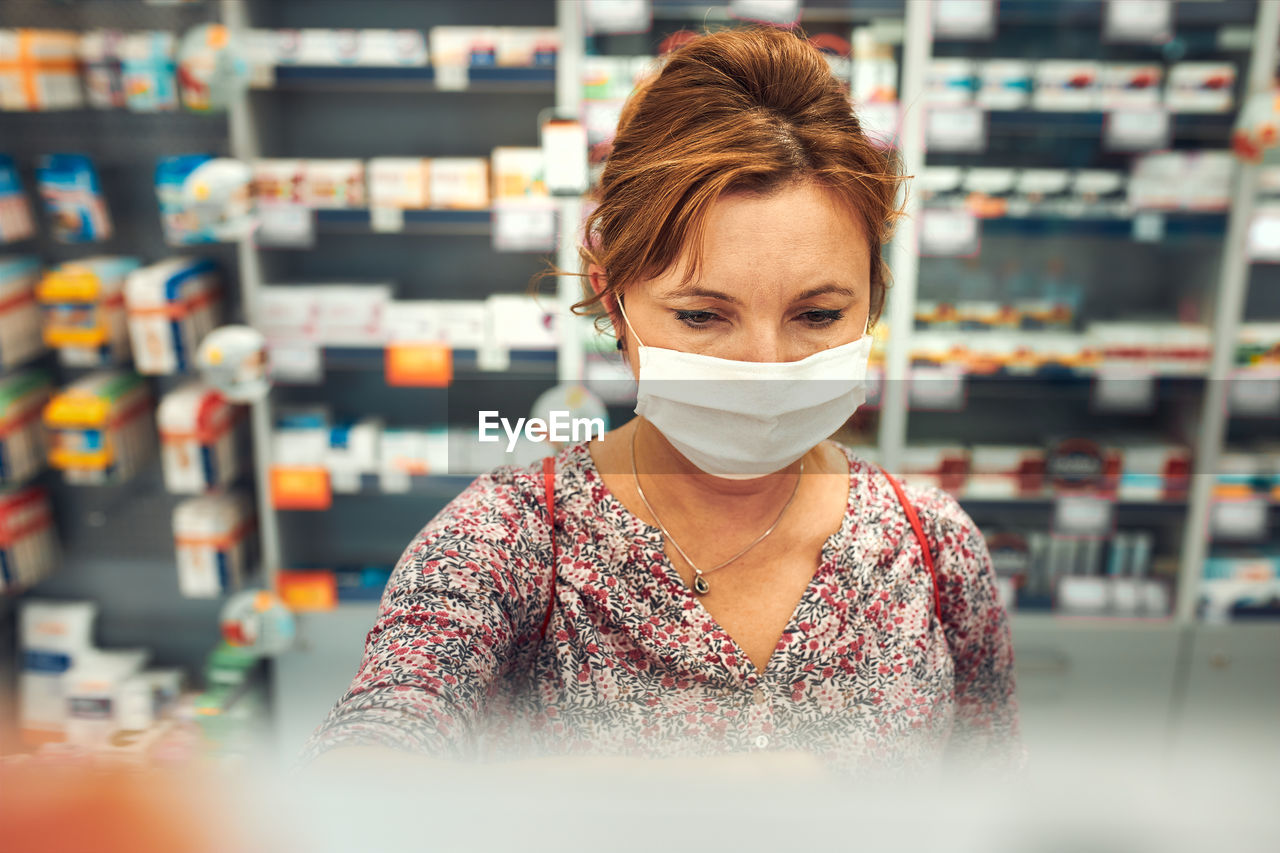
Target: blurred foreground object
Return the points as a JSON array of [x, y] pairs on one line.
[[1258, 127]]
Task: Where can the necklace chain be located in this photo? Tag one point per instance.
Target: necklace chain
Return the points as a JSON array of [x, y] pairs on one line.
[[700, 584]]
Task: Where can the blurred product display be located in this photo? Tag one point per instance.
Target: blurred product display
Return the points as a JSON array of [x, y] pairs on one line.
[[1081, 343]]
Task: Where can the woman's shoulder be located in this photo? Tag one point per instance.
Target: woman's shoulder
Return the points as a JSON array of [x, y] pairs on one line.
[[946, 524]]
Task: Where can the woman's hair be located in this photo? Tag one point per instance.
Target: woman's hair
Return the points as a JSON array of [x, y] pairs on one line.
[[741, 110]]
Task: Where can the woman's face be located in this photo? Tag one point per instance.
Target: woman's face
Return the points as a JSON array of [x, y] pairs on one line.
[[783, 277]]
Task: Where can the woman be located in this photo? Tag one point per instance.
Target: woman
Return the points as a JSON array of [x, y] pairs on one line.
[[726, 580]]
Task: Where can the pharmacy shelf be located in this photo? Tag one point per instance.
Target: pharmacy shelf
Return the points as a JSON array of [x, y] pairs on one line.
[[1084, 13], [978, 502], [456, 223], [410, 78], [1063, 220], [1055, 124], [524, 363]]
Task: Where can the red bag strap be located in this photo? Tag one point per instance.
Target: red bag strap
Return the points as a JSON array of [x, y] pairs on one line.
[[914, 520], [549, 484]]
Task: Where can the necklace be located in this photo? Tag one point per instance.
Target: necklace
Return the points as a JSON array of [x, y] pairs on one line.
[[700, 585]]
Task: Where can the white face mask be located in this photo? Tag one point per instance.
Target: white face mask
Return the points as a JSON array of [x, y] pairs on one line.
[[744, 419]]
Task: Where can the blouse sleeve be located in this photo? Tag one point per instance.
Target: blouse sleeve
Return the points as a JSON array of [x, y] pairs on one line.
[[460, 597], [987, 732]]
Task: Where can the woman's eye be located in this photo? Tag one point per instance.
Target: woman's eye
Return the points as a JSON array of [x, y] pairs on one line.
[[819, 317], [695, 318]]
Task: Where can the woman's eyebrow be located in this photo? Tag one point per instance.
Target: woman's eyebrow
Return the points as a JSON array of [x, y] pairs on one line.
[[685, 291], [829, 287]]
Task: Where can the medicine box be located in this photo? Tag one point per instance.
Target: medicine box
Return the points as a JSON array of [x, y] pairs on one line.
[[16, 221], [39, 70], [55, 635], [94, 688], [1005, 472], [460, 183], [518, 173], [84, 312], [101, 55], [1201, 87], [1067, 85], [171, 306], [23, 449], [359, 47], [1131, 85], [400, 182], [353, 453], [352, 314], [150, 70], [21, 337], [333, 183], [212, 535], [28, 542], [278, 181], [101, 428], [942, 466], [1005, 84], [73, 198], [197, 439]]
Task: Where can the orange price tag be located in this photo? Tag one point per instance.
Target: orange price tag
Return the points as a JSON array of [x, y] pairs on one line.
[[300, 488], [419, 365], [317, 590]]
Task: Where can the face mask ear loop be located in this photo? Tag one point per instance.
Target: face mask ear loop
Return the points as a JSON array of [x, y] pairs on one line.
[[627, 320]]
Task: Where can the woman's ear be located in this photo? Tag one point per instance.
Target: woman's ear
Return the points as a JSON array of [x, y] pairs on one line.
[[599, 282]]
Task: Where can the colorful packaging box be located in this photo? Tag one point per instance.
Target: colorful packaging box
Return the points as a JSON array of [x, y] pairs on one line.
[[84, 310], [1067, 85], [1154, 472], [180, 226], [460, 183], [171, 306], [73, 198], [94, 688], [364, 47], [39, 70], [518, 173], [16, 221], [150, 70], [21, 338], [55, 635], [1129, 85], [29, 548], [1005, 84], [101, 428], [950, 81], [101, 52], [334, 184], [1201, 87], [213, 539], [23, 448], [400, 182], [197, 439], [279, 181]]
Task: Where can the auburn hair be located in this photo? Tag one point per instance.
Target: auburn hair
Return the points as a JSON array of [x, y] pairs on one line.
[[749, 109]]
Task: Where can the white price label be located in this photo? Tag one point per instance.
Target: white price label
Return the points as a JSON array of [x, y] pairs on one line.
[[1240, 519], [524, 228], [1083, 515], [964, 19], [617, 16], [295, 363], [1123, 390], [493, 357], [1137, 129], [286, 225], [1148, 227], [783, 13], [949, 232], [386, 219], [452, 77], [1145, 21], [956, 128], [1264, 234], [1254, 392], [937, 388]]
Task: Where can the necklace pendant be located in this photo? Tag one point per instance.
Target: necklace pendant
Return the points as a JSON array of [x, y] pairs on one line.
[[700, 585]]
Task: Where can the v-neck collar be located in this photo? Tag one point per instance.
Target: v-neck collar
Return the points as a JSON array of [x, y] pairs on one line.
[[687, 604]]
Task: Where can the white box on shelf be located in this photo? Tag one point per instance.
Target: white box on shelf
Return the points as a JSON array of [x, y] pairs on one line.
[[521, 322], [54, 636], [334, 184], [289, 313], [460, 183], [352, 314], [197, 439], [211, 534], [1005, 84], [1067, 85], [1130, 84], [1201, 87], [279, 181], [402, 182]]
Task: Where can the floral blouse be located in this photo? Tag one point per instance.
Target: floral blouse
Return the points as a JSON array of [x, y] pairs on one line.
[[633, 664]]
